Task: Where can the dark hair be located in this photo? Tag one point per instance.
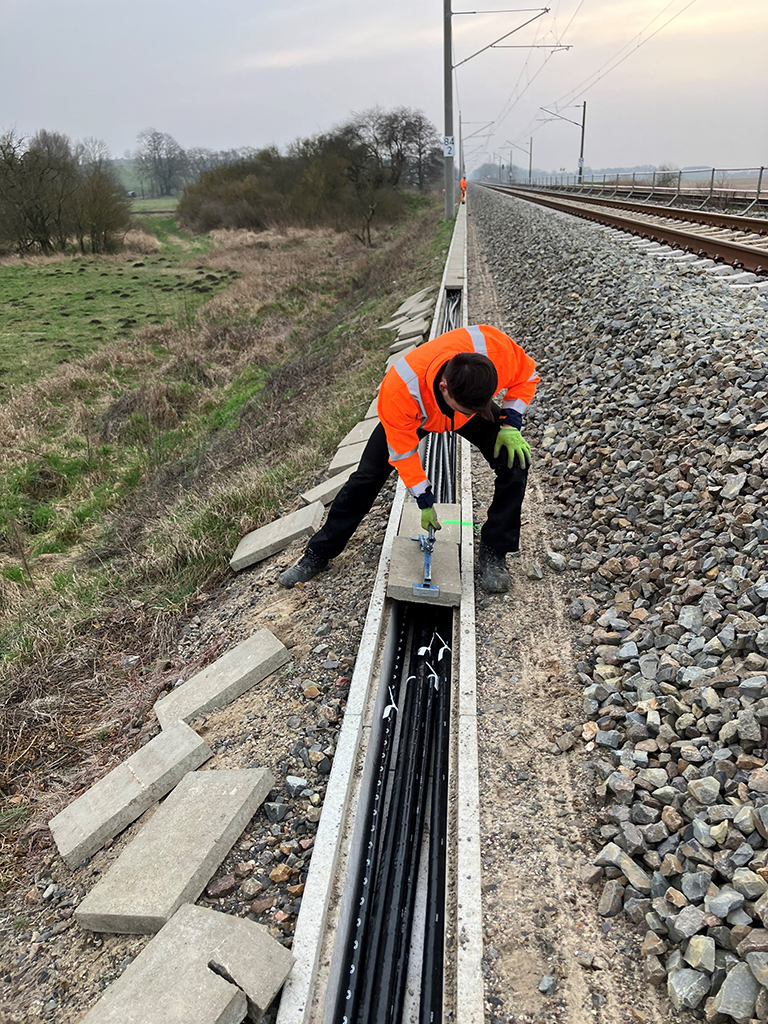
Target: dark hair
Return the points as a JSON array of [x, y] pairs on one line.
[[472, 382]]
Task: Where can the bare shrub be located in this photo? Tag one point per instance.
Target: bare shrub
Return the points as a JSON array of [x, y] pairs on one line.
[[138, 241]]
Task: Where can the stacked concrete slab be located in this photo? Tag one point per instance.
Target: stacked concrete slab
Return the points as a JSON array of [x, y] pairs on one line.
[[175, 855], [126, 792], [201, 968]]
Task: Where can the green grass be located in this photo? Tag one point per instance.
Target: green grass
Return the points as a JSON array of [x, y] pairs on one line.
[[60, 311], [142, 206]]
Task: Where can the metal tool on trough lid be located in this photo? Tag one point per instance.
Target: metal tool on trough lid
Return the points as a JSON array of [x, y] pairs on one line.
[[426, 588]]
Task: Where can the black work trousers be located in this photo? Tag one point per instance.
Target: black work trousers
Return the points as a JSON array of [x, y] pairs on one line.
[[501, 531]]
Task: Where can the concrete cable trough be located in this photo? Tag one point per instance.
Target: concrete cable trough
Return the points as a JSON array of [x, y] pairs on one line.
[[384, 761]]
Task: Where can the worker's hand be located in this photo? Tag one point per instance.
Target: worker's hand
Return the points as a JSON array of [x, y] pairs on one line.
[[515, 444], [429, 518]]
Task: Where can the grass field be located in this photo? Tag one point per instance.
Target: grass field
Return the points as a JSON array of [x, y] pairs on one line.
[[58, 310], [129, 473], [165, 205]]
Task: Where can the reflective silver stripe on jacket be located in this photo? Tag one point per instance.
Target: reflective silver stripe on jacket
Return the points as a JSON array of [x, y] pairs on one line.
[[396, 457], [410, 378], [418, 489], [478, 340], [516, 403]]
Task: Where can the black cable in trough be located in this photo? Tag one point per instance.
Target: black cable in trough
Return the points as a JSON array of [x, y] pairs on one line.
[[349, 994]]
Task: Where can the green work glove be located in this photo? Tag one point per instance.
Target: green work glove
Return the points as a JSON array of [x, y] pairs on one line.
[[515, 444], [429, 518]]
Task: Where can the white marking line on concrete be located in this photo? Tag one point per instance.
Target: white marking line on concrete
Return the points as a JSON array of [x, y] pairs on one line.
[[296, 1001]]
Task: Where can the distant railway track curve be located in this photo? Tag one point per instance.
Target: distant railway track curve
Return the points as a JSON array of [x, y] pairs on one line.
[[736, 240]]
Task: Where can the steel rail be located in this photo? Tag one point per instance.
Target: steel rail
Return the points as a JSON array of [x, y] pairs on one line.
[[733, 221], [724, 250]]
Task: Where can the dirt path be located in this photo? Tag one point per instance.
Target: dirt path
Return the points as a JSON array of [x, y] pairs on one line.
[[537, 809]]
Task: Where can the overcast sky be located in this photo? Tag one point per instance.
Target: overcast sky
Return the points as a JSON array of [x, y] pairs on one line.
[[248, 72]]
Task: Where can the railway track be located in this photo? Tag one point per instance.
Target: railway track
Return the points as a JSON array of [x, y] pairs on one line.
[[728, 238]]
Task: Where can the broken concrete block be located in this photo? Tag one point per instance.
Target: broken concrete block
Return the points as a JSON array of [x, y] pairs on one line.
[[202, 967], [448, 515], [122, 796], [174, 856], [412, 329], [407, 567], [328, 489], [348, 455], [224, 680], [265, 541], [360, 432], [398, 355], [421, 309]]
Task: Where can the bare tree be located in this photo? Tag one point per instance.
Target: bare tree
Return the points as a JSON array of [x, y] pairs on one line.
[[160, 161]]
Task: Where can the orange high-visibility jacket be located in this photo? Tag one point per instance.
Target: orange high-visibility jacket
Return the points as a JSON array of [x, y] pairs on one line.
[[407, 398], [463, 184]]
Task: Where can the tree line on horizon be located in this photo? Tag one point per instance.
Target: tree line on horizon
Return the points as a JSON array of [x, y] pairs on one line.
[[55, 194], [345, 178]]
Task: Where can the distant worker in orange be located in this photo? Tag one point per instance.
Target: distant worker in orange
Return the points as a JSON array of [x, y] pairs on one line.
[[446, 385], [463, 184]]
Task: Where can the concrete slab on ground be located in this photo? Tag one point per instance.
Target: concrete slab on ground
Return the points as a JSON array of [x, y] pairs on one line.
[[412, 300], [174, 856], [373, 409], [409, 343], [425, 308], [413, 329], [328, 489], [265, 541], [403, 352], [393, 324], [347, 456], [407, 568], [360, 432], [224, 680], [122, 796], [183, 975], [448, 515]]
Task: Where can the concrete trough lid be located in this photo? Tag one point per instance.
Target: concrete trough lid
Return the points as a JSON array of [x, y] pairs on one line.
[[122, 796], [398, 355], [261, 543], [174, 856], [413, 329], [373, 409], [407, 568], [360, 432], [328, 489], [347, 456], [412, 301], [448, 515], [408, 343], [202, 967], [224, 680]]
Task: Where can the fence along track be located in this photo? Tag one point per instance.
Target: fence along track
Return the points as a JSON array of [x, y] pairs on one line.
[[739, 241]]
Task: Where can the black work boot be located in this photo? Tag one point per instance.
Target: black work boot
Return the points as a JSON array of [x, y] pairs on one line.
[[308, 565], [493, 566]]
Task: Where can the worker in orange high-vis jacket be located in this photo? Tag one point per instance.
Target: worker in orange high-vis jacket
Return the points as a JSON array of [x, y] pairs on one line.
[[447, 384], [463, 184]]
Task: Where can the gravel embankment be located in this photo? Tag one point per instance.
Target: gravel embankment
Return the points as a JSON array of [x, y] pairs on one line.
[[651, 430]]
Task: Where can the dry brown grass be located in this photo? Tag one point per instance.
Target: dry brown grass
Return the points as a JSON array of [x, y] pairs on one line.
[[304, 311], [140, 242]]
